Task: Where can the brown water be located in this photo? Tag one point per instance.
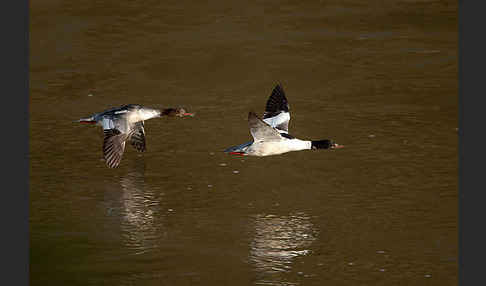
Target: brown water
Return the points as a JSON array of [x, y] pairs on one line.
[[379, 77]]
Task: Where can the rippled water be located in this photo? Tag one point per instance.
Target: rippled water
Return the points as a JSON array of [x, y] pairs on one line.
[[379, 78]]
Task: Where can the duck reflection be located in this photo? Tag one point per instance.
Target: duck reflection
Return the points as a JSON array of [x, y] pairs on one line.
[[140, 211], [279, 239]]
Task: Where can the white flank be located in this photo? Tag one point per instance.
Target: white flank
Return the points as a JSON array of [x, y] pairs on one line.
[[266, 148]]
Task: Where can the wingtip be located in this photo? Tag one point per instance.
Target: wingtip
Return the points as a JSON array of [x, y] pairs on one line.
[[278, 89], [278, 86]]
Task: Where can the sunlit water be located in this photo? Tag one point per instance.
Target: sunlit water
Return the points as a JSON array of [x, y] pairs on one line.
[[379, 78]]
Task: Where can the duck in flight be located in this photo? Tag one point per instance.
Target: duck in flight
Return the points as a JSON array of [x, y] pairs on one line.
[[271, 136], [125, 123]]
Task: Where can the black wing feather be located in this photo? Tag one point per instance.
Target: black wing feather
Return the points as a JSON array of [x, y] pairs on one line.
[[137, 139], [276, 103], [113, 147]]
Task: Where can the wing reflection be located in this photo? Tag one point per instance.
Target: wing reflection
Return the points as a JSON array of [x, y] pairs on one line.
[[140, 207], [278, 240]]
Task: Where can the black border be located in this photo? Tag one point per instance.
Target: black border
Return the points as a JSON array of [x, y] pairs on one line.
[[15, 146], [472, 202]]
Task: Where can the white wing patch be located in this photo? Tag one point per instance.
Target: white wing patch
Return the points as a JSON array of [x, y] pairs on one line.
[[275, 121], [107, 124]]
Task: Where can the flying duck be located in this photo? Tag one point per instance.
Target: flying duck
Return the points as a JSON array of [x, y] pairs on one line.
[[126, 123], [271, 136]]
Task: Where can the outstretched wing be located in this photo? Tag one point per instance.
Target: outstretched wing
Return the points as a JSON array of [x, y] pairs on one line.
[[260, 130], [137, 138], [113, 146], [277, 112]]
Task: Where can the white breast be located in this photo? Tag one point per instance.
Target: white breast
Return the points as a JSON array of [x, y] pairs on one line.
[[134, 117]]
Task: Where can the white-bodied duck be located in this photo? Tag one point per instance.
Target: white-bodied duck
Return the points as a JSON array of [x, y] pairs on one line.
[[126, 123], [271, 136]]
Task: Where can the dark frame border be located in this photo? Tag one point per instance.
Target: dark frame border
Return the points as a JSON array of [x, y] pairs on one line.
[[471, 63], [15, 190]]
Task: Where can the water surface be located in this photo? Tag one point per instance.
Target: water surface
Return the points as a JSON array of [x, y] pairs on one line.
[[379, 78]]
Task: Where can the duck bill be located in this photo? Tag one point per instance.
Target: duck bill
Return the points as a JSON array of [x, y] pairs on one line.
[[337, 146]]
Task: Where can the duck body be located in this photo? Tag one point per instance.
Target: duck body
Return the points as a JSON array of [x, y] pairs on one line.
[[126, 123], [270, 147], [122, 118], [270, 135]]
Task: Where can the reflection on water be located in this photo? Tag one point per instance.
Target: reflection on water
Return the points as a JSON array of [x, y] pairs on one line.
[[278, 240], [139, 219]]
